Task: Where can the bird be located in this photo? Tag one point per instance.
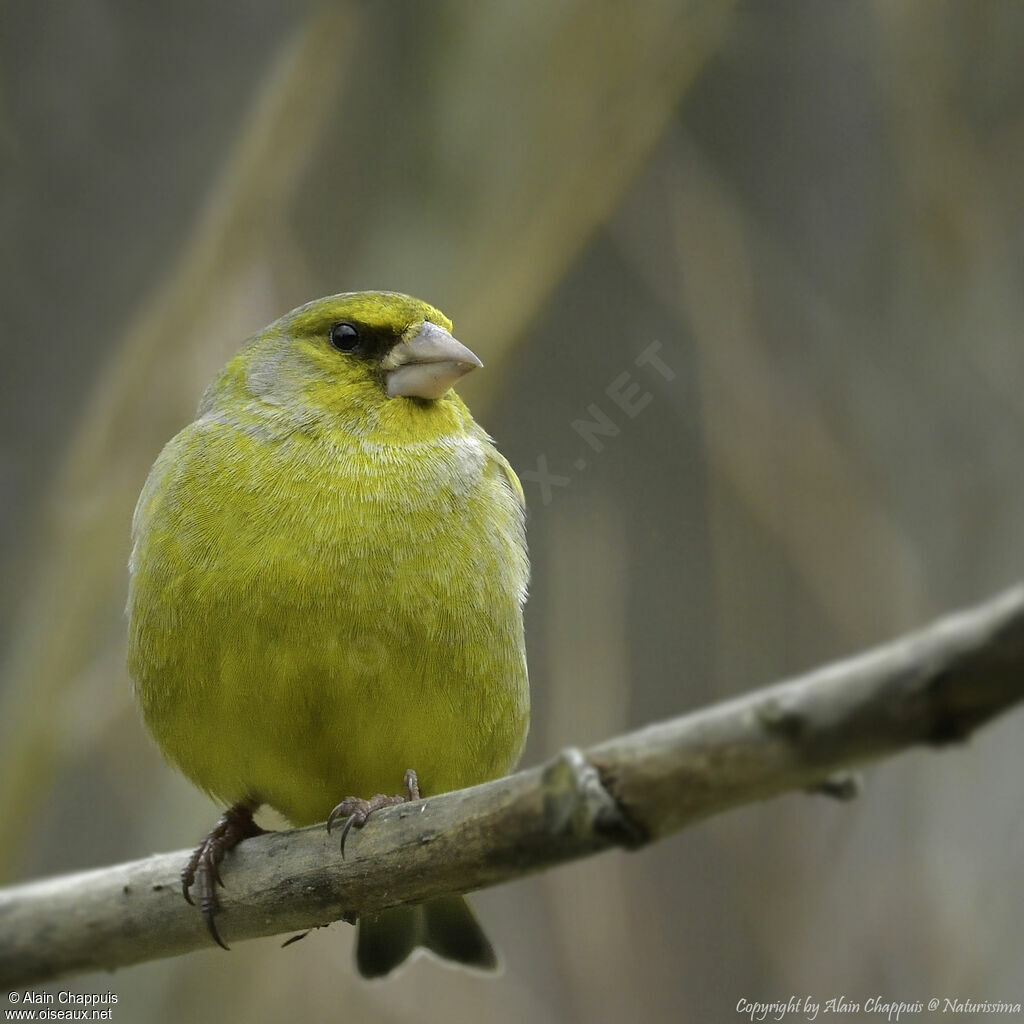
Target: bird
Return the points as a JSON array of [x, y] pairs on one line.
[[327, 580]]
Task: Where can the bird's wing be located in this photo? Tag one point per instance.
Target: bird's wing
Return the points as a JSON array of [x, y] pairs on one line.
[[509, 475]]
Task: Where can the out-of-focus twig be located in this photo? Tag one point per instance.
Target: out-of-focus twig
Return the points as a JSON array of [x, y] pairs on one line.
[[931, 687], [79, 578], [770, 443], [628, 69]]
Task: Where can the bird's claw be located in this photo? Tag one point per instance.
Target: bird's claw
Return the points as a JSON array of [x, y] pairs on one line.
[[203, 867], [357, 811]]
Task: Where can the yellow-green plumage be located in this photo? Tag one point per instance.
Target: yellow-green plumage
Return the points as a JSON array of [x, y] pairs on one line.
[[327, 583]]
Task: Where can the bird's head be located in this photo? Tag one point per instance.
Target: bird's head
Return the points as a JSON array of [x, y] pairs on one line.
[[355, 351]]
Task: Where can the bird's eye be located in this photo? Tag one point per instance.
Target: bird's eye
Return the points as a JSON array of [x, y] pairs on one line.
[[344, 337]]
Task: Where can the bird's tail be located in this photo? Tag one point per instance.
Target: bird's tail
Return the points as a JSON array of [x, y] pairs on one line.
[[446, 926]]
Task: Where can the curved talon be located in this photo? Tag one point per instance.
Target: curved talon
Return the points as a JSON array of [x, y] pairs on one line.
[[349, 822], [411, 783], [334, 816], [203, 868], [356, 812], [210, 908]]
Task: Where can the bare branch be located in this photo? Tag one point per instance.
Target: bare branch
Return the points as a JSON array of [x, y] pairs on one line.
[[931, 687]]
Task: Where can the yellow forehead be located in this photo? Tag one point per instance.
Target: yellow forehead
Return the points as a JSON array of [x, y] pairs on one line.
[[390, 310]]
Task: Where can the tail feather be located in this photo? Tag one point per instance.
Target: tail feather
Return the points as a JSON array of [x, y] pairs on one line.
[[384, 941], [446, 927]]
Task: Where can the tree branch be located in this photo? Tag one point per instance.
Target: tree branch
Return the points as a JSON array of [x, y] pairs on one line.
[[931, 687]]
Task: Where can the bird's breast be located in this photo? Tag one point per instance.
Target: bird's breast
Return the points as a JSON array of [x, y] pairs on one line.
[[336, 610]]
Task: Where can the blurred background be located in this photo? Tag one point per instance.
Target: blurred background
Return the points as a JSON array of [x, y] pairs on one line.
[[810, 214]]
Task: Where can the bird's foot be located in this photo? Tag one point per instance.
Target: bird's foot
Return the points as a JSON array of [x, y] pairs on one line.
[[356, 811], [203, 868]]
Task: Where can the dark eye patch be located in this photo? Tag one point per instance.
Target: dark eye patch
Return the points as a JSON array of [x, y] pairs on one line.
[[354, 338]]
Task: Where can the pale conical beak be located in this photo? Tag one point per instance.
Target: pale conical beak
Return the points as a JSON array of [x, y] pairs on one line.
[[428, 364]]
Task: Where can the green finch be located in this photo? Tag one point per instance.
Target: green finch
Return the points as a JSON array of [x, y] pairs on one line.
[[327, 581]]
